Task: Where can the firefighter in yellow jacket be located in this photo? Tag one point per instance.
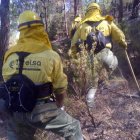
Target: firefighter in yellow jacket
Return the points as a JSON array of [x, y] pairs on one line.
[[43, 65], [110, 32], [75, 25]]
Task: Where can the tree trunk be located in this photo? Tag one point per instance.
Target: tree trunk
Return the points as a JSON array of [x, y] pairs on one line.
[[76, 2], [45, 14], [75, 8], [4, 30], [135, 9], [46, 23], [65, 18], [120, 9]]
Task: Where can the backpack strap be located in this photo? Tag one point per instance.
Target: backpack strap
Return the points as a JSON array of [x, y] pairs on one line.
[[22, 56]]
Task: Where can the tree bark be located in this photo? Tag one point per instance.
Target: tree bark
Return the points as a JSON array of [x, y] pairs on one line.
[[76, 2], [135, 9], [75, 8], [65, 18], [4, 30], [45, 14], [120, 9]]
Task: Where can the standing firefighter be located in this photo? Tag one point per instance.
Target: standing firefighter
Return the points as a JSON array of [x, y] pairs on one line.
[[97, 33], [35, 85], [75, 25]]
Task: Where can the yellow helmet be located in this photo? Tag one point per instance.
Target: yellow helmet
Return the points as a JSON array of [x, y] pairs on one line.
[[28, 19], [93, 6]]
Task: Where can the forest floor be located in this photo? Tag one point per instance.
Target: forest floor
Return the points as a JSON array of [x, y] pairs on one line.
[[115, 115]]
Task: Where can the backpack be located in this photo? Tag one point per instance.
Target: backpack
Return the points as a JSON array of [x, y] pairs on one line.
[[20, 91], [21, 94], [96, 36]]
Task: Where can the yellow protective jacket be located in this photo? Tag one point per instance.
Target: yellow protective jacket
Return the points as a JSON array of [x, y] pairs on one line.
[[42, 65], [107, 27], [74, 26]]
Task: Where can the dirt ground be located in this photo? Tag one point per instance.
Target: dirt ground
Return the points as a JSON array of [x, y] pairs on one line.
[[115, 116]]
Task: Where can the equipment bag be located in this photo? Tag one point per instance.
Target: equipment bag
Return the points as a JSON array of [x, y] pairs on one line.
[[20, 90]]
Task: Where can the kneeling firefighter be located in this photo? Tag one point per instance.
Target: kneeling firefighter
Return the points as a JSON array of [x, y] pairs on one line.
[[94, 25], [36, 85]]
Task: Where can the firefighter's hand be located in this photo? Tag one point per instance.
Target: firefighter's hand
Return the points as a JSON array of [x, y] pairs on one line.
[[60, 100], [124, 45]]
